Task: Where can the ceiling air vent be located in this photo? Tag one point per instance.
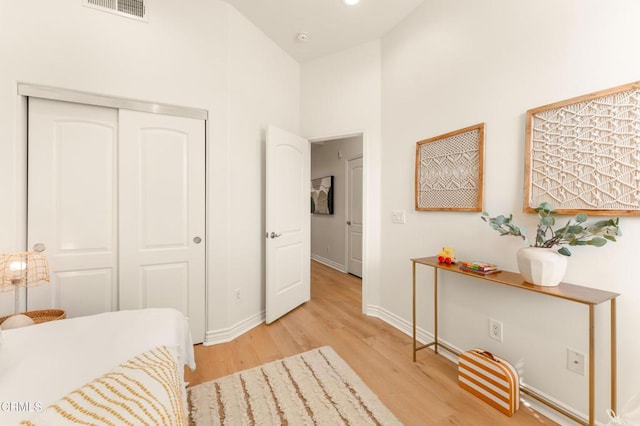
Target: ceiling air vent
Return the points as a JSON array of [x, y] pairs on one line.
[[135, 9]]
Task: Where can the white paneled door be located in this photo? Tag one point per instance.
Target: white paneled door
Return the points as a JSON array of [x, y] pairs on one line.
[[288, 165], [354, 217], [117, 197], [162, 220], [72, 205]]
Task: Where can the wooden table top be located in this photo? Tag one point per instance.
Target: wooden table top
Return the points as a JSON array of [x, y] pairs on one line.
[[576, 293]]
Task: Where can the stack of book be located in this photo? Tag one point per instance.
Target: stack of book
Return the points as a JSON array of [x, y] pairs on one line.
[[479, 267]]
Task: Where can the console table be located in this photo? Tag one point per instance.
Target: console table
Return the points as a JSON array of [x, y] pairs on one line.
[[573, 293]]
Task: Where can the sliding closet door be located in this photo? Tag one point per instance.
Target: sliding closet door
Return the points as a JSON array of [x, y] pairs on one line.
[[162, 214], [117, 200], [72, 205]]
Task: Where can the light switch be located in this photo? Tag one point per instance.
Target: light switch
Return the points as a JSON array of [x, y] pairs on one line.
[[398, 216]]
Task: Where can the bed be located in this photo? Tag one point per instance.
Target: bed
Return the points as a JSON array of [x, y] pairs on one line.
[[41, 365]]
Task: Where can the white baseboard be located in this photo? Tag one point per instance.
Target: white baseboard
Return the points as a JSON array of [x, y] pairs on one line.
[[228, 334], [424, 336], [330, 263]]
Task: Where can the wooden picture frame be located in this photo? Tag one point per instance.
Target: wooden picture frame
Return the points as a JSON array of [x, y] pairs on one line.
[[583, 154], [449, 171]]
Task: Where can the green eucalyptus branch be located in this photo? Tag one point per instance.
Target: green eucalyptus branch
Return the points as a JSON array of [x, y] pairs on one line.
[[575, 233], [504, 225]]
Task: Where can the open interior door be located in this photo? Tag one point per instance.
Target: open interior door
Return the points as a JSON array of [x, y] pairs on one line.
[[288, 165], [354, 217]]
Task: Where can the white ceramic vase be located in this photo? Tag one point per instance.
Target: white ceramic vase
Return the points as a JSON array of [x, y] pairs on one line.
[[541, 266]]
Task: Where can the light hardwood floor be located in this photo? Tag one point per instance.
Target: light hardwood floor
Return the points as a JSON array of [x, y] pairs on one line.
[[421, 393]]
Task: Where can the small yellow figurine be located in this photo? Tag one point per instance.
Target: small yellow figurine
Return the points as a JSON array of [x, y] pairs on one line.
[[447, 255]]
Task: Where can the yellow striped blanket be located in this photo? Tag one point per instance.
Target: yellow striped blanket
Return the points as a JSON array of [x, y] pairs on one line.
[[146, 390]]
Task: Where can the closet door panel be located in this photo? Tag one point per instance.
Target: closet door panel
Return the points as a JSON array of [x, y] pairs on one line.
[[72, 207], [159, 285], [81, 298], [164, 188], [162, 200]]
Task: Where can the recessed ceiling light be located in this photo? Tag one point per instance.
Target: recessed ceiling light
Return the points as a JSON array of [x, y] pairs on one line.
[[351, 2]]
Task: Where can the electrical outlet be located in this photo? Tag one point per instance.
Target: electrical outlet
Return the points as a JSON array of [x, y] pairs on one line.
[[237, 293], [575, 361], [495, 329]]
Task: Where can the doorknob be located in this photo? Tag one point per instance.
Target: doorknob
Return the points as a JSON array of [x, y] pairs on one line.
[[197, 240], [39, 247], [349, 222], [274, 235]]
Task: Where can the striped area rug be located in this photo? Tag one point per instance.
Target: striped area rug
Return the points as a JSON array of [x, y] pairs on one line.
[[312, 388]]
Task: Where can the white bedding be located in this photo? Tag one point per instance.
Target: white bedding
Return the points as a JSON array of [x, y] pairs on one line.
[[41, 364]]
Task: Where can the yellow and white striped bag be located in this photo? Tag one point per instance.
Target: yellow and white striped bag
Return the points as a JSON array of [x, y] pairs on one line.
[[490, 378]]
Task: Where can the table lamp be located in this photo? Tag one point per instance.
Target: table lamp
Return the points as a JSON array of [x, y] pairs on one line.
[[23, 269]]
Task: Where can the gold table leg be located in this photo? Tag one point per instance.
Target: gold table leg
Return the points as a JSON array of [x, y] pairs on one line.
[[614, 365], [592, 365], [414, 311], [435, 307]]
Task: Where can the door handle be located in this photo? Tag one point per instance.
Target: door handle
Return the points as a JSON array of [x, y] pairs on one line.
[[197, 240], [39, 247], [349, 222], [274, 235]]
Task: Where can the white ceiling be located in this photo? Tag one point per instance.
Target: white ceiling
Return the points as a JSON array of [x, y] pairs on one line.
[[331, 25]]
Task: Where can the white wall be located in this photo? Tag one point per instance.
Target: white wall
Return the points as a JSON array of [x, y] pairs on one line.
[[199, 53], [329, 232], [340, 96], [264, 88], [456, 63]]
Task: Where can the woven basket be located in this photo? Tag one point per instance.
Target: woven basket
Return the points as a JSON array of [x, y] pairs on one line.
[[42, 316]]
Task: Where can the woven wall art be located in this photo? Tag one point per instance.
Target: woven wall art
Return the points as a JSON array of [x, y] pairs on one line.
[[449, 171], [583, 154]]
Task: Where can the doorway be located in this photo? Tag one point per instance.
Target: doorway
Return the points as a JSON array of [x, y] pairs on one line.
[[336, 238]]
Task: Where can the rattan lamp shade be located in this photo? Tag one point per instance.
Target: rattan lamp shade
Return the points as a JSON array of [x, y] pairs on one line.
[[24, 269]]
